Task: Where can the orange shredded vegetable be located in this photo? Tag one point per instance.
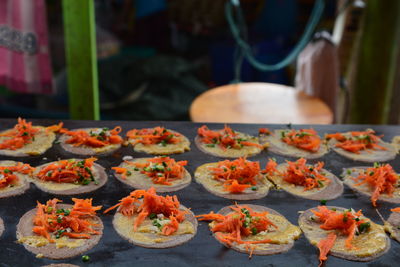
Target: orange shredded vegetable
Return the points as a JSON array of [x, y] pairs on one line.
[[69, 171], [151, 136], [7, 173], [265, 131], [161, 170], [53, 223], [358, 141], [55, 128], [23, 133], [301, 174], [242, 222], [348, 222], [396, 209], [236, 175], [100, 138], [324, 246], [306, 139], [380, 178], [148, 204], [225, 138]]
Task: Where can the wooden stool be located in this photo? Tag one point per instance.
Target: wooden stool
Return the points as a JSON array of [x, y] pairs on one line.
[[259, 103]]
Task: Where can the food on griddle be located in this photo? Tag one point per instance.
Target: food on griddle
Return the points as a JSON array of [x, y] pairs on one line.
[[163, 173], [252, 229], [91, 141], [304, 143], [309, 181], [343, 233], [59, 231], [361, 146], [238, 179], [152, 221], [69, 176], [379, 182], [227, 143], [158, 141], [27, 140]]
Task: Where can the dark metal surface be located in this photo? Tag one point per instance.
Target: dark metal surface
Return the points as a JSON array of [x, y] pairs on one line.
[[203, 249]]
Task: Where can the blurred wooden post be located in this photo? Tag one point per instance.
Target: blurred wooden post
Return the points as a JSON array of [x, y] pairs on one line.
[[376, 63], [80, 43]]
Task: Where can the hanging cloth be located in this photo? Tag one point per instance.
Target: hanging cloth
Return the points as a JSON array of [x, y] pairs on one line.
[[24, 51], [318, 71]]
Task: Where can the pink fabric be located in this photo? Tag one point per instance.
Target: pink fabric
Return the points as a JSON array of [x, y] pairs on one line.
[[24, 54]]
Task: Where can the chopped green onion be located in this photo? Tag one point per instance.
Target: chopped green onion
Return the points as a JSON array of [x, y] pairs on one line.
[[85, 258], [363, 227], [323, 202], [254, 231]]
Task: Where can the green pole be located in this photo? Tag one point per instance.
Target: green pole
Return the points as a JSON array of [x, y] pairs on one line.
[[376, 62], [80, 43]]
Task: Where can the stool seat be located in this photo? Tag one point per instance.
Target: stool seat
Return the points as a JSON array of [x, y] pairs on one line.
[[259, 103]]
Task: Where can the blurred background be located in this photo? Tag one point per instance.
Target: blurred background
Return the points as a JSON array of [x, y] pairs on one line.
[[163, 59]]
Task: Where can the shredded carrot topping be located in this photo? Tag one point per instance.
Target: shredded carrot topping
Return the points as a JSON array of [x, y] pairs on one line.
[[306, 139], [380, 178], [161, 170], [324, 246], [225, 138], [349, 223], [96, 138], [242, 222], [52, 222], [236, 175], [157, 208], [301, 174], [151, 136], [69, 171], [396, 209], [265, 131], [7, 173], [358, 141], [22, 134], [55, 128]]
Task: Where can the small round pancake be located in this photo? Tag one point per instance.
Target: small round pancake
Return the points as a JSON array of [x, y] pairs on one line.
[[204, 177], [87, 150], [159, 149], [69, 188], [392, 226], [142, 181], [124, 227], [277, 146], [43, 141], [331, 191], [24, 229], [364, 242], [364, 189], [245, 151], [1, 227], [268, 248], [367, 155], [18, 189]]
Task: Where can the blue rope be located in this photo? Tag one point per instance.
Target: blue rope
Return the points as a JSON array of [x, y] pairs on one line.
[[245, 49]]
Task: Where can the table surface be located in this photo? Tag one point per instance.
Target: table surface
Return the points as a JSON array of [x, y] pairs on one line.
[[259, 103], [203, 249]]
